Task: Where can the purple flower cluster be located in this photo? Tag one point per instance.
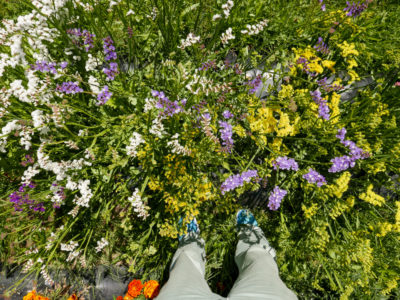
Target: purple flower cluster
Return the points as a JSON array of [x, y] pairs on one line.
[[314, 177], [208, 65], [321, 46], [20, 199], [234, 181], [44, 66], [69, 87], [104, 96], [109, 49], [109, 52], [226, 135], [112, 71], [323, 109], [227, 114], [323, 8], [86, 35], [304, 62], [275, 198], [168, 107], [254, 84], [29, 160], [344, 162], [285, 163], [355, 9], [329, 87]]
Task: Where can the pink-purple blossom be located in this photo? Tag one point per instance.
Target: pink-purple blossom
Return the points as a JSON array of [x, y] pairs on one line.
[[44, 66], [20, 199], [323, 108], [355, 9], [275, 198], [227, 114], [168, 107]]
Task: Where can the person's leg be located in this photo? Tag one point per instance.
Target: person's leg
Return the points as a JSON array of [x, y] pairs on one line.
[[187, 270], [258, 271]]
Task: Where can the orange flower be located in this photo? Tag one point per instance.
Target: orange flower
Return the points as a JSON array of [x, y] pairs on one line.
[[151, 289], [120, 298], [135, 288], [73, 297], [128, 297], [30, 296]]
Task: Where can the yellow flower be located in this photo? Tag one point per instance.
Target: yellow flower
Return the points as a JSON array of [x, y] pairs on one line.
[[372, 197], [334, 106], [348, 49], [284, 127], [384, 228], [353, 76], [240, 131], [390, 285], [397, 217], [352, 63], [309, 211], [314, 66], [286, 92], [341, 185], [329, 64]]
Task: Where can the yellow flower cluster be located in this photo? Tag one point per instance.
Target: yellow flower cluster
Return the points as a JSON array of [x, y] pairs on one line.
[[372, 197], [340, 186], [284, 126], [397, 217], [338, 209], [348, 49], [309, 211], [310, 54], [347, 292], [286, 92], [384, 228], [334, 106], [390, 285], [323, 237]]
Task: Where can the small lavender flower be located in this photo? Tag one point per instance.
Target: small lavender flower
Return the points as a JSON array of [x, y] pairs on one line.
[[88, 40], [321, 46], [112, 71], [226, 135], [104, 96], [314, 177], [254, 84], [20, 199], [341, 163], [44, 66], [275, 198], [323, 110], [285, 163], [237, 180], [69, 87], [208, 65], [355, 9], [109, 48], [341, 134], [63, 65], [329, 87], [168, 107], [227, 114]]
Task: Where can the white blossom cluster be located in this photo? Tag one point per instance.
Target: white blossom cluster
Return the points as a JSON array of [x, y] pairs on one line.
[[86, 6], [86, 193], [4, 100], [59, 168], [89, 154], [153, 14], [157, 127], [226, 36], [38, 120], [74, 211], [57, 194], [176, 147], [114, 2], [47, 279], [134, 142], [138, 205], [28, 265], [69, 247], [227, 10], [50, 241], [72, 255], [71, 144], [101, 244], [91, 63], [10, 126], [29, 173], [26, 137], [149, 104], [130, 12], [255, 29], [191, 39]]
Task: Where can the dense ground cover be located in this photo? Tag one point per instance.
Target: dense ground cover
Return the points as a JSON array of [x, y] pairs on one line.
[[120, 117]]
